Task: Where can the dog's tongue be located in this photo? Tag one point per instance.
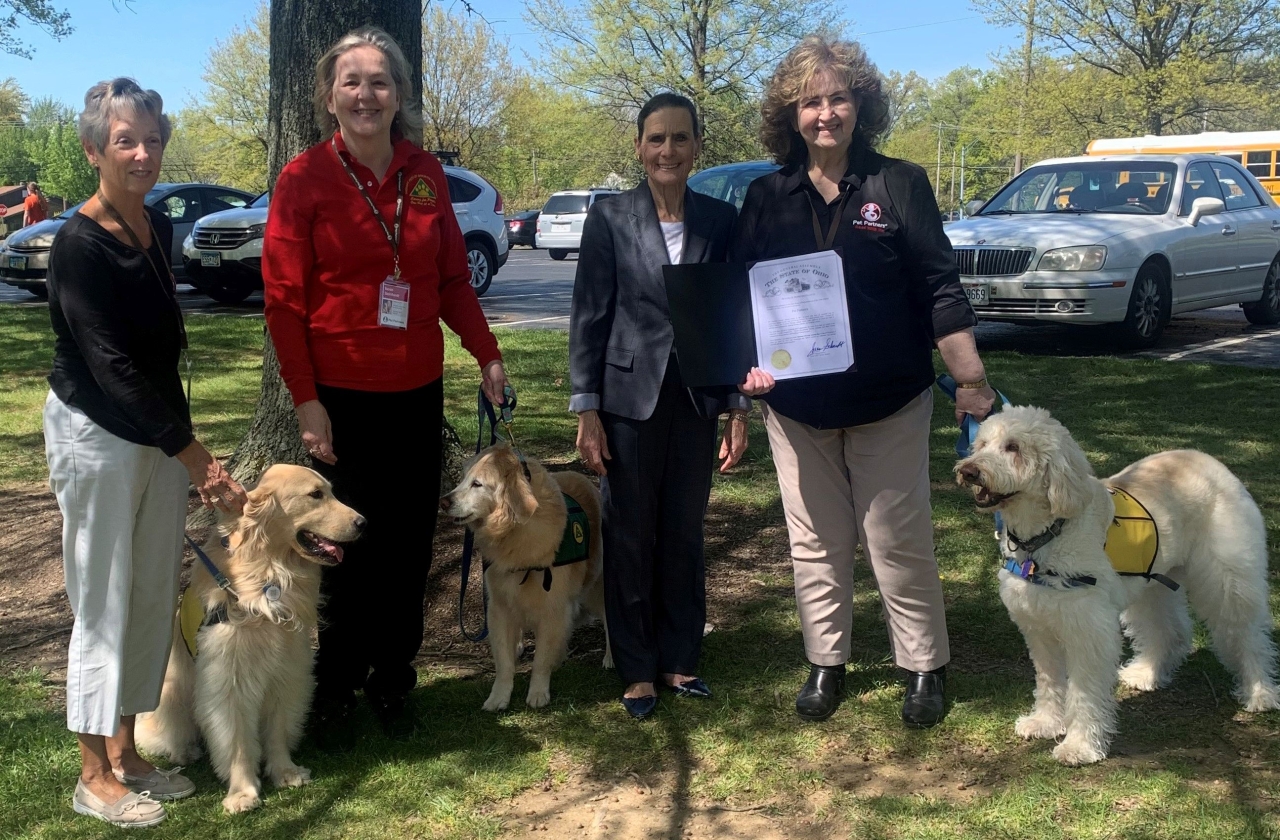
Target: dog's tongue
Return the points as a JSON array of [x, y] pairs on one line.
[[330, 548]]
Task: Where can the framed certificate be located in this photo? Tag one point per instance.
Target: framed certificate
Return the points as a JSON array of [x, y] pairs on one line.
[[789, 317]]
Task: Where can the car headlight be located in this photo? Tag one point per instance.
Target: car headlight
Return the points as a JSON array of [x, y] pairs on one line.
[[1081, 258], [256, 231]]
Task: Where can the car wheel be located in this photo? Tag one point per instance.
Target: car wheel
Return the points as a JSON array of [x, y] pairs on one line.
[[1266, 310], [1150, 306], [480, 263], [557, 253], [229, 293]]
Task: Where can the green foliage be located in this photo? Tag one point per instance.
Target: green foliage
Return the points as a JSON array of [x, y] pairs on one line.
[[222, 138], [40, 14], [718, 53], [1168, 61], [466, 79], [553, 140], [60, 160]]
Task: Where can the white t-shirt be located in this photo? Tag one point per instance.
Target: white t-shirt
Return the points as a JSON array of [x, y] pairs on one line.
[[673, 232]]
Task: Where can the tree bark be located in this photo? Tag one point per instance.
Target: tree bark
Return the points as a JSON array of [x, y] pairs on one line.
[[301, 32]]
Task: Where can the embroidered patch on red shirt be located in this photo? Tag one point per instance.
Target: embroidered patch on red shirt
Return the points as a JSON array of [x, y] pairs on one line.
[[422, 192]]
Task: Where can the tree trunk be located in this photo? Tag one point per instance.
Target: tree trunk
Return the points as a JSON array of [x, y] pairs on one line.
[[301, 32]]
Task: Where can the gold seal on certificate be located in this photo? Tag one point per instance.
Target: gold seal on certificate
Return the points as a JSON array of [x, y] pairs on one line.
[[801, 314]]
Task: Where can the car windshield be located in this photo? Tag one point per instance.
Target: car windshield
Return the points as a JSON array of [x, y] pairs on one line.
[[1134, 187], [728, 183], [70, 211], [261, 201], [559, 205]]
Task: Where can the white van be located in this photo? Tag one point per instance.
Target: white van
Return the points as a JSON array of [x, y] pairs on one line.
[[560, 224]]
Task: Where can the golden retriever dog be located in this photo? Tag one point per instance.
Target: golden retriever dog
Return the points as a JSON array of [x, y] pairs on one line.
[[249, 688], [518, 523], [1072, 606]]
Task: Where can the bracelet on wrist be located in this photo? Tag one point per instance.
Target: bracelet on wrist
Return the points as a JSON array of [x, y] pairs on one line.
[[973, 386]]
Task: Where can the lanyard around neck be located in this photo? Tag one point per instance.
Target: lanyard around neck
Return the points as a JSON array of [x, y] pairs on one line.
[[169, 287], [392, 239], [824, 243]]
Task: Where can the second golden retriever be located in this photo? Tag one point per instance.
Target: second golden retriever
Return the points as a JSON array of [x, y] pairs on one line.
[[519, 521]]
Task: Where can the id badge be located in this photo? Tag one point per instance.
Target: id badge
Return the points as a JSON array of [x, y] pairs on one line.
[[393, 304]]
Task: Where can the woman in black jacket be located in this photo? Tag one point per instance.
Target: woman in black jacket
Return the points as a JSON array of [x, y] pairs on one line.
[[852, 449], [635, 414], [121, 452]]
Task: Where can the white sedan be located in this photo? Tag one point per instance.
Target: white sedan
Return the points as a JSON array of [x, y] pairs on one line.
[[1129, 240]]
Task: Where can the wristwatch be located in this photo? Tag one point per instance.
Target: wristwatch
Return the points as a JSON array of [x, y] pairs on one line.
[[974, 386]]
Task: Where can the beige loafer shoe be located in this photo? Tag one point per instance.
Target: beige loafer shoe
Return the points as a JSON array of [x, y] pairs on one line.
[[133, 810], [163, 785]]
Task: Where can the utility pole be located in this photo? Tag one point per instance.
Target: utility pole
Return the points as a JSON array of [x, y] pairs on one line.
[[1027, 47], [535, 173], [937, 169]]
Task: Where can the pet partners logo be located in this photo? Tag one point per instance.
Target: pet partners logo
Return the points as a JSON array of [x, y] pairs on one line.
[[870, 220], [423, 192]]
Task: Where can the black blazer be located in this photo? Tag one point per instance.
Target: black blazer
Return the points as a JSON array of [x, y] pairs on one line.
[[620, 335]]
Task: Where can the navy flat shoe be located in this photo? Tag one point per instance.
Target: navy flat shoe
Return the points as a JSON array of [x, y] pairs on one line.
[[640, 707], [691, 688]]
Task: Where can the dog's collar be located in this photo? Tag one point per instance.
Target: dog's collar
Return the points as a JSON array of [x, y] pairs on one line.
[[1039, 541], [1031, 573], [270, 590]]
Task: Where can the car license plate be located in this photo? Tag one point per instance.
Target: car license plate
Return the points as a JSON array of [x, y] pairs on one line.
[[560, 227], [977, 293], [210, 259], [19, 263]]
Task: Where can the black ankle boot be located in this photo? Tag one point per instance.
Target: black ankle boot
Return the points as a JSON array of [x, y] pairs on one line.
[[925, 704], [821, 692]]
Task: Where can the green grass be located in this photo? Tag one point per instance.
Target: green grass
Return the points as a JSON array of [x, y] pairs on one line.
[[1187, 764]]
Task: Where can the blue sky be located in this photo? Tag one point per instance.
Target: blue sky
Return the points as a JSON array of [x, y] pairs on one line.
[[163, 43]]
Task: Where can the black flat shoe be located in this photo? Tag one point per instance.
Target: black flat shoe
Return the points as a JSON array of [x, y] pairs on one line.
[[925, 704], [394, 716], [820, 695], [331, 724], [691, 688], [640, 707]]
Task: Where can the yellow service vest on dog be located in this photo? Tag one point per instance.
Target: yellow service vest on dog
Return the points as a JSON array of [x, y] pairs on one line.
[[1132, 539]]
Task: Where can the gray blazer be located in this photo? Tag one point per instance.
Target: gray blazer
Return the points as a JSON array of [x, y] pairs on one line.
[[620, 334]]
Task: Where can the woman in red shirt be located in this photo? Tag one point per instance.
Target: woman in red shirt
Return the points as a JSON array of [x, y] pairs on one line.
[[362, 259]]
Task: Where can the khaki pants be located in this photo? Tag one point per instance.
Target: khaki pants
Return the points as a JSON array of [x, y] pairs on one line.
[[864, 484]]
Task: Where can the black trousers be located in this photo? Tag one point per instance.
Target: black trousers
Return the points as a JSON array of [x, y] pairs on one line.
[[655, 501], [371, 616]]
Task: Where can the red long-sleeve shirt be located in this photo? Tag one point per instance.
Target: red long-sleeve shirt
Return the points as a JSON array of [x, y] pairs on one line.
[[324, 259]]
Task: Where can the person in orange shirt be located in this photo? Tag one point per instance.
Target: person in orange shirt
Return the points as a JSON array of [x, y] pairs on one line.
[[34, 207]]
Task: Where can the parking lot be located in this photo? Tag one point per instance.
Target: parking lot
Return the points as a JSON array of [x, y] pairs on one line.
[[532, 291]]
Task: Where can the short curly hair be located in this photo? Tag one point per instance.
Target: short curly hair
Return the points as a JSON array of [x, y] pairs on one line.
[[847, 62]]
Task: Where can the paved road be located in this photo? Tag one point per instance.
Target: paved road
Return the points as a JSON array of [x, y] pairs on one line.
[[532, 291]]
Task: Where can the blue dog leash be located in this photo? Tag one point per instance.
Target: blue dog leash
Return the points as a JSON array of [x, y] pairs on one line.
[[484, 411], [969, 429]]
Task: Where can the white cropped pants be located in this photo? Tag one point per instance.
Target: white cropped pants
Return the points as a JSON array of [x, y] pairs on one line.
[[123, 510]]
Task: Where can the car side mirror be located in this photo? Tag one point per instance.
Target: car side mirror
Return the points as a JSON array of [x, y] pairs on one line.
[[1202, 207], [972, 208]]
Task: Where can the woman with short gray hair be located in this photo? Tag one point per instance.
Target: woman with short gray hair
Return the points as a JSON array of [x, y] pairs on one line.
[[121, 452]]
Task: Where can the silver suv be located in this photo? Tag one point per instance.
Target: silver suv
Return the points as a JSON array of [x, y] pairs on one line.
[[560, 224], [223, 254]]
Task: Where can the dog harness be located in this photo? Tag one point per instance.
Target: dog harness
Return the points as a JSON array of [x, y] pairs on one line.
[[575, 544], [1131, 545], [191, 612]]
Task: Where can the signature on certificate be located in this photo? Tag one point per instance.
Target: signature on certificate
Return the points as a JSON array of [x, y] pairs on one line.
[[826, 347]]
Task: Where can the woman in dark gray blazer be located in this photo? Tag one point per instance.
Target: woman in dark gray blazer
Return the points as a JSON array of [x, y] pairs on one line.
[[635, 412]]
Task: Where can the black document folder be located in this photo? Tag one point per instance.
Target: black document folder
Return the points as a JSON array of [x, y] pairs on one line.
[[710, 305]]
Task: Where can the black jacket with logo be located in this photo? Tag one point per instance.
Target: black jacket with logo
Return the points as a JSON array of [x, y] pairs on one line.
[[901, 282]]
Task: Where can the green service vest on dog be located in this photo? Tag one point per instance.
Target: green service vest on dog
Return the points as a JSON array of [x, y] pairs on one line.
[[576, 542]]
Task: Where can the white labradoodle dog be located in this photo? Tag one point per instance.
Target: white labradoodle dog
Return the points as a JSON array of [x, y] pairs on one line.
[[1212, 543]]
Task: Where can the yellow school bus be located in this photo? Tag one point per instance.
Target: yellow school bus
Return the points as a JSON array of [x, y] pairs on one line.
[[1257, 151]]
